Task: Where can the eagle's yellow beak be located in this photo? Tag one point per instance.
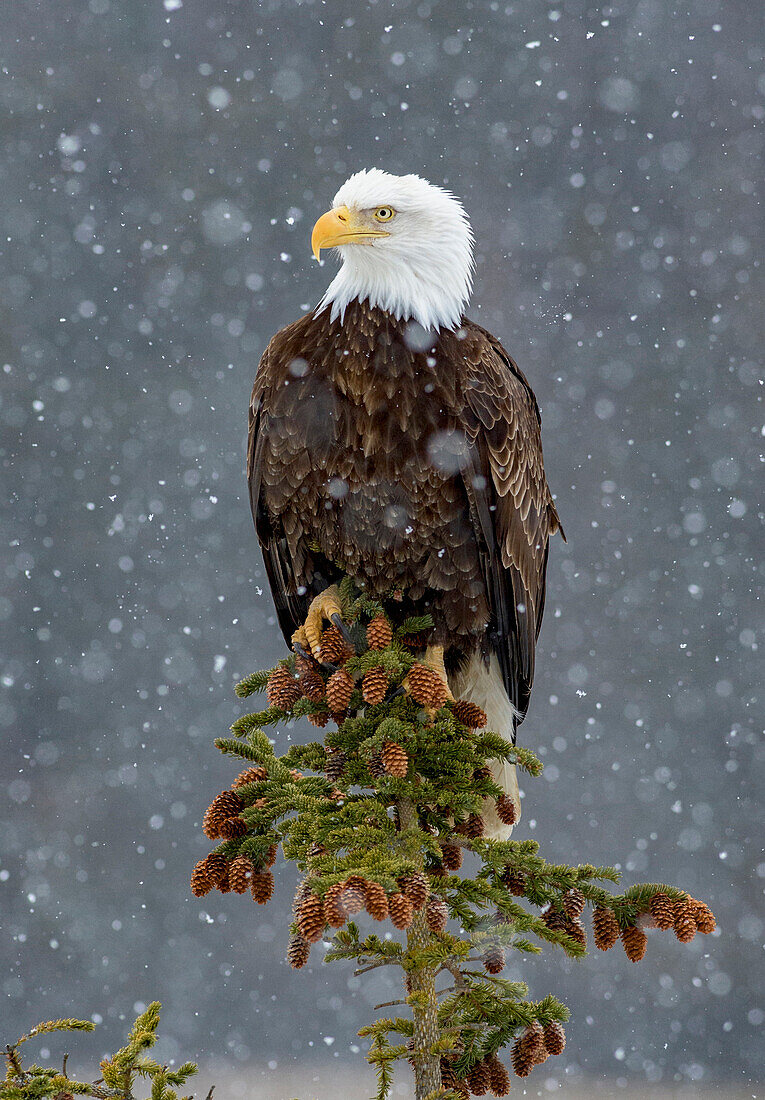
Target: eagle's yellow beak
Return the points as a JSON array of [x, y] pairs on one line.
[[340, 226]]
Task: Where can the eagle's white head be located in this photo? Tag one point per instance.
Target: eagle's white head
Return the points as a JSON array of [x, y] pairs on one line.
[[405, 244]]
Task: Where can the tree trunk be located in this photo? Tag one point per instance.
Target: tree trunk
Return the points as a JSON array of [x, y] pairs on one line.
[[427, 1066]]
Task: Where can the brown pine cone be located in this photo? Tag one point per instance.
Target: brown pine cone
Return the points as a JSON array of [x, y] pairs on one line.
[[469, 714], [685, 920], [262, 886], [436, 913], [400, 910], [271, 855], [335, 765], [240, 874], [200, 881], [354, 896], [232, 828], [478, 1079], [310, 918], [493, 959], [298, 951], [310, 679], [573, 903], [224, 805], [379, 633], [339, 690], [605, 928], [415, 641], [451, 854], [576, 930], [374, 685], [499, 1078], [215, 866], [705, 918], [533, 1040], [634, 942], [662, 909], [319, 719], [282, 689], [426, 687], [301, 893], [255, 774], [415, 886], [335, 913], [472, 827], [554, 1037], [522, 1061], [514, 881], [375, 766], [334, 648], [448, 1076], [376, 900], [555, 920], [506, 810], [394, 759], [223, 885]]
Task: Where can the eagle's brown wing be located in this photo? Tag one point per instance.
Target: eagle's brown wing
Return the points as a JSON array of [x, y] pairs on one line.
[[291, 604], [512, 506]]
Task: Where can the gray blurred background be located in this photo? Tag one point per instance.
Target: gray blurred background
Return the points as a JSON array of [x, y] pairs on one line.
[[163, 164]]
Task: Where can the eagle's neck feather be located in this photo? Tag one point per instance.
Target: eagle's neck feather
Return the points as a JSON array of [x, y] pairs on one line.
[[431, 288]]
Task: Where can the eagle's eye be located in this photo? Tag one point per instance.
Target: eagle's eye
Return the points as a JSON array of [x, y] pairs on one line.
[[384, 213]]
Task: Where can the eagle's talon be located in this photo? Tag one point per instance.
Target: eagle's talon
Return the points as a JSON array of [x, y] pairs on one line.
[[301, 650], [324, 606], [337, 619]]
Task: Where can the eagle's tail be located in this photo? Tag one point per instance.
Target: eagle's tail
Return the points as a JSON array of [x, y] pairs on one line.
[[482, 684]]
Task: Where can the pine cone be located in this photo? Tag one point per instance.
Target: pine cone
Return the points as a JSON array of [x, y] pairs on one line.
[[685, 920], [375, 766], [704, 917], [271, 854], [555, 920], [335, 765], [554, 1037], [522, 1060], [262, 886], [223, 885], [301, 893], [468, 714], [215, 866], [576, 930], [240, 874], [376, 900], [255, 774], [426, 687], [451, 854], [416, 888], [282, 689], [232, 828], [573, 903], [394, 759], [400, 910], [310, 679], [354, 896], [499, 1078], [634, 942], [436, 913], [310, 918], [662, 909], [374, 685], [533, 1040], [415, 641], [335, 913], [339, 690], [298, 951], [200, 881], [506, 810], [334, 648], [515, 882], [478, 1079], [319, 719], [605, 928], [448, 1076], [472, 827], [379, 633], [493, 959], [224, 805]]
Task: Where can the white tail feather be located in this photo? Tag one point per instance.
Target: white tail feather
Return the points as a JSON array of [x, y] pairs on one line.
[[482, 684]]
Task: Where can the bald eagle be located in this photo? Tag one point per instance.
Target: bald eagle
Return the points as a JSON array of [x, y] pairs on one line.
[[394, 440]]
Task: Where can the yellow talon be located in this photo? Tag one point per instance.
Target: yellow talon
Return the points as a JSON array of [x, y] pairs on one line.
[[323, 606]]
